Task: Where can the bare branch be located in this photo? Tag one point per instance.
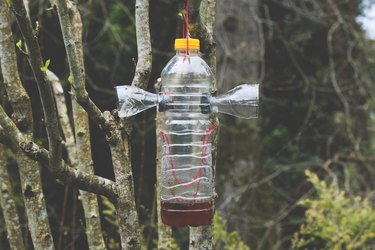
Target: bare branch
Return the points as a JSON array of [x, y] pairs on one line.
[[83, 158], [79, 154], [335, 82], [29, 172], [17, 95], [142, 24], [205, 33], [8, 206], [76, 68], [127, 214], [45, 90], [63, 115], [91, 183], [130, 233], [353, 157]]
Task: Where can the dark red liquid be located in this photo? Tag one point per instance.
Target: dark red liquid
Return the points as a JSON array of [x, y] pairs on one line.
[[185, 214]]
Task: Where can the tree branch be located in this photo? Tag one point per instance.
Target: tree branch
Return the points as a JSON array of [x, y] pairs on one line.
[[77, 69], [206, 33], [17, 95], [63, 115], [353, 158], [31, 183], [8, 206], [127, 214], [45, 90], [79, 154], [82, 151], [66, 174], [142, 24]]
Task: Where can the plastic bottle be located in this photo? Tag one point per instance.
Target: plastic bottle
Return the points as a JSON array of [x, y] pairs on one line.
[[186, 174]]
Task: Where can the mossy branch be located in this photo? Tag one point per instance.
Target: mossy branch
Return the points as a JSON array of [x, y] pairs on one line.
[[45, 90], [66, 174], [35, 205], [8, 206]]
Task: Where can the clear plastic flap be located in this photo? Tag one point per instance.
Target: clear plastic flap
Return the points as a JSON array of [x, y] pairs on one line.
[[241, 101], [133, 100]]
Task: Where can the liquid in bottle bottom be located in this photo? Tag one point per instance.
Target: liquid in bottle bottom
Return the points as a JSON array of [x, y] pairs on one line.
[[186, 214]]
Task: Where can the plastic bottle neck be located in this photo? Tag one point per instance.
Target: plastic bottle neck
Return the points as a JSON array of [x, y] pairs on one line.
[[182, 52]]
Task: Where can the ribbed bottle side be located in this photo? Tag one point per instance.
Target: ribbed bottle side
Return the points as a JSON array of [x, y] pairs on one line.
[[186, 159]]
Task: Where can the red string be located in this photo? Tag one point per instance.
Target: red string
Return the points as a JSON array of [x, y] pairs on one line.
[[187, 27], [205, 142]]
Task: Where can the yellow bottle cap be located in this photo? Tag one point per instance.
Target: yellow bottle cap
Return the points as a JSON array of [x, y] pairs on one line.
[[180, 43]]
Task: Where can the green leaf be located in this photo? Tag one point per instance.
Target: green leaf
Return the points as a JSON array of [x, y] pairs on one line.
[[70, 79], [19, 44], [45, 67], [108, 212], [109, 204], [8, 2]]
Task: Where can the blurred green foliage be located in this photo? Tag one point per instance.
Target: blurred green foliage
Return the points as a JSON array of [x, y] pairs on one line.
[[223, 239], [109, 215], [335, 221]]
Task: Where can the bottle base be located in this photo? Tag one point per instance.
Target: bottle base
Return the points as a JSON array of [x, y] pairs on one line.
[[186, 214]]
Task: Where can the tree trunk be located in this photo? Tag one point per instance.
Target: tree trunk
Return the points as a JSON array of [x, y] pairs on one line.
[[201, 237]]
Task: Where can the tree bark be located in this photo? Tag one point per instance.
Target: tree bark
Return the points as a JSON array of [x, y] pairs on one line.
[[83, 144], [66, 174], [45, 90], [142, 25], [79, 155], [201, 237], [8, 206], [126, 210], [31, 183]]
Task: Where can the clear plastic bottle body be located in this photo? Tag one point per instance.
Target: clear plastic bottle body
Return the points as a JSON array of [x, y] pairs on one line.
[[186, 162], [186, 174]]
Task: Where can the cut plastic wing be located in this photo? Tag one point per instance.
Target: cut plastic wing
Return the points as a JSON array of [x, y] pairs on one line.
[[133, 100], [242, 101]]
